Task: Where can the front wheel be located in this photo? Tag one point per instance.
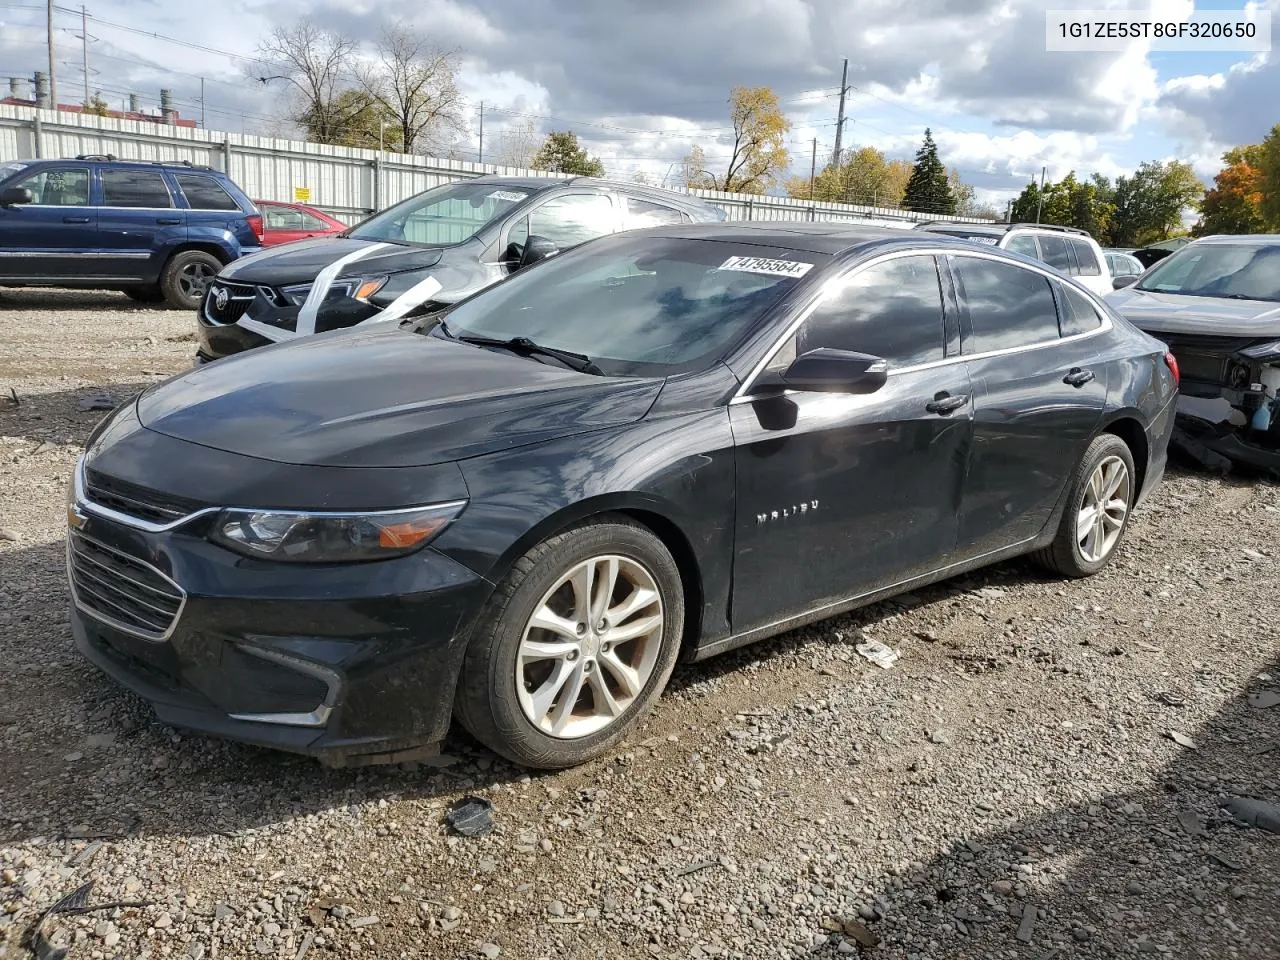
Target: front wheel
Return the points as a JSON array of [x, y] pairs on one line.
[[1100, 500], [187, 276], [574, 647]]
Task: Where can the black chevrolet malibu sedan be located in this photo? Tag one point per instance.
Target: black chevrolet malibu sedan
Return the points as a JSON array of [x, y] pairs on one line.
[[670, 442]]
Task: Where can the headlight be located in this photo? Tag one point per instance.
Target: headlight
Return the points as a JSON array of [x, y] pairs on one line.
[[303, 537], [357, 288]]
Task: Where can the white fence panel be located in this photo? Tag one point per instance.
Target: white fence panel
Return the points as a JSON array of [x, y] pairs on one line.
[[346, 181]]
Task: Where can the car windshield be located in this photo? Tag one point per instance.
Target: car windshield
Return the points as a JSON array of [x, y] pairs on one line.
[[9, 169], [637, 305], [444, 215], [1237, 271]]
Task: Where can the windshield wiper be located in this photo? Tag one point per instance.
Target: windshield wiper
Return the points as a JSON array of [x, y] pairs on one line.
[[574, 361]]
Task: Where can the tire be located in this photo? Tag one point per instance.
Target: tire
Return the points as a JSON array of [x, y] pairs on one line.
[[499, 709], [186, 277], [1070, 554], [144, 294]]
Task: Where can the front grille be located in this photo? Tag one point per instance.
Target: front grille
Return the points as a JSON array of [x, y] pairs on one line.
[[135, 501], [239, 298], [121, 590]]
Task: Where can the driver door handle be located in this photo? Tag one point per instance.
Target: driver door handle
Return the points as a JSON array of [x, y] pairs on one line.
[[75, 219], [169, 221], [944, 403], [1078, 377]]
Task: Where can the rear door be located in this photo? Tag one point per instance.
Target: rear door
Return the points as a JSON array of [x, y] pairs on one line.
[[139, 222], [212, 213], [1038, 395], [54, 236]]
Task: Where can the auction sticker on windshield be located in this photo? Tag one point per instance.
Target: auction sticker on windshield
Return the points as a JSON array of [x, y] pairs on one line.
[[511, 195], [776, 268]]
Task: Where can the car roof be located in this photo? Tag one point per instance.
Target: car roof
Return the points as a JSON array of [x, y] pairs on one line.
[[638, 189], [828, 238], [118, 162], [1253, 238], [999, 229]]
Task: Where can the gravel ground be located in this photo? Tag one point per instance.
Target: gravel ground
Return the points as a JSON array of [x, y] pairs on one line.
[[1011, 788]]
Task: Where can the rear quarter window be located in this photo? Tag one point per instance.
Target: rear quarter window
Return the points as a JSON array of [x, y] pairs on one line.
[[1076, 313], [1009, 306], [1086, 259], [205, 193]]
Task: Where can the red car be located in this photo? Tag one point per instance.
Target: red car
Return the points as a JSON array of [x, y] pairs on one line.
[[287, 222]]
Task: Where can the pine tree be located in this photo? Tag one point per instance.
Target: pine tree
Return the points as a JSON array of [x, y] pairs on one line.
[[928, 190]]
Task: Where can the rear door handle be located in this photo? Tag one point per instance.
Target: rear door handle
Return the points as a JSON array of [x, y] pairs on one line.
[[75, 220], [944, 403], [169, 221], [1078, 377]]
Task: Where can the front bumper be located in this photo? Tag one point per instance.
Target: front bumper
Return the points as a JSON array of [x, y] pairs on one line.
[[344, 662], [255, 315]]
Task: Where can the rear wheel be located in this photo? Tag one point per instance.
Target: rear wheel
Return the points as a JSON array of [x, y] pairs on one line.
[[574, 647], [145, 294], [1099, 503], [186, 277]]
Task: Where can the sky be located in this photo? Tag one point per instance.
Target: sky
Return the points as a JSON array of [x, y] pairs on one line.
[[641, 81]]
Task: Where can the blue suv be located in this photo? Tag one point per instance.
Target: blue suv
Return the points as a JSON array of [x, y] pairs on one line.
[[158, 231]]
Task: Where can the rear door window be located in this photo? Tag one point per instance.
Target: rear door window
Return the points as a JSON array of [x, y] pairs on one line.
[[646, 213], [135, 188], [1054, 251], [1086, 259], [205, 193], [1009, 306]]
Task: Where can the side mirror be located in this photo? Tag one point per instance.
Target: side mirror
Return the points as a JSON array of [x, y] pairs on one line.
[[1118, 282], [836, 371], [537, 248], [16, 195]]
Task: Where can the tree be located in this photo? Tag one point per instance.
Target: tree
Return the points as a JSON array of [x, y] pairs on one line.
[[517, 144], [1234, 203], [95, 106], [928, 190], [963, 193], [359, 121], [759, 154], [1269, 165], [561, 153], [865, 177], [317, 63], [415, 84], [1149, 204]]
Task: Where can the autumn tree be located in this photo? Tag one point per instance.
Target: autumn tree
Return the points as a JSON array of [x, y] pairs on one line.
[[1234, 203], [415, 84], [928, 190], [318, 65], [961, 191], [517, 144], [95, 106], [561, 153], [865, 177], [359, 121], [759, 152]]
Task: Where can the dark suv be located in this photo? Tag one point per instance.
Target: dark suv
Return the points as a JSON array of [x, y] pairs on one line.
[[157, 231], [431, 250]]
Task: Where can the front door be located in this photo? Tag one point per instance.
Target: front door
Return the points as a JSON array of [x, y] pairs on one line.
[[566, 220], [54, 236], [838, 494], [138, 223], [1039, 389]]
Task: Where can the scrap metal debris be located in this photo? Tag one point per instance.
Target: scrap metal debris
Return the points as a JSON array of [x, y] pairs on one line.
[[1256, 813], [76, 902], [471, 817], [878, 653], [1181, 739]]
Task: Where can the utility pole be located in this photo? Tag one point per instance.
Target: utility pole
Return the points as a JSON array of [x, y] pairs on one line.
[[53, 76], [1040, 200], [813, 167], [84, 51], [481, 154], [202, 103], [844, 88]]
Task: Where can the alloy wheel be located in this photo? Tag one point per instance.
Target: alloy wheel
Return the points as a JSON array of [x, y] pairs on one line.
[[1103, 509], [590, 647], [194, 279]]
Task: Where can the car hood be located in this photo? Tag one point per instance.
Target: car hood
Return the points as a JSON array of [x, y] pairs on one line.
[[300, 262], [385, 398], [1158, 313]]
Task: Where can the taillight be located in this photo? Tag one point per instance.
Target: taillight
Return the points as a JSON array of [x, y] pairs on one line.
[[1171, 362], [255, 224]]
